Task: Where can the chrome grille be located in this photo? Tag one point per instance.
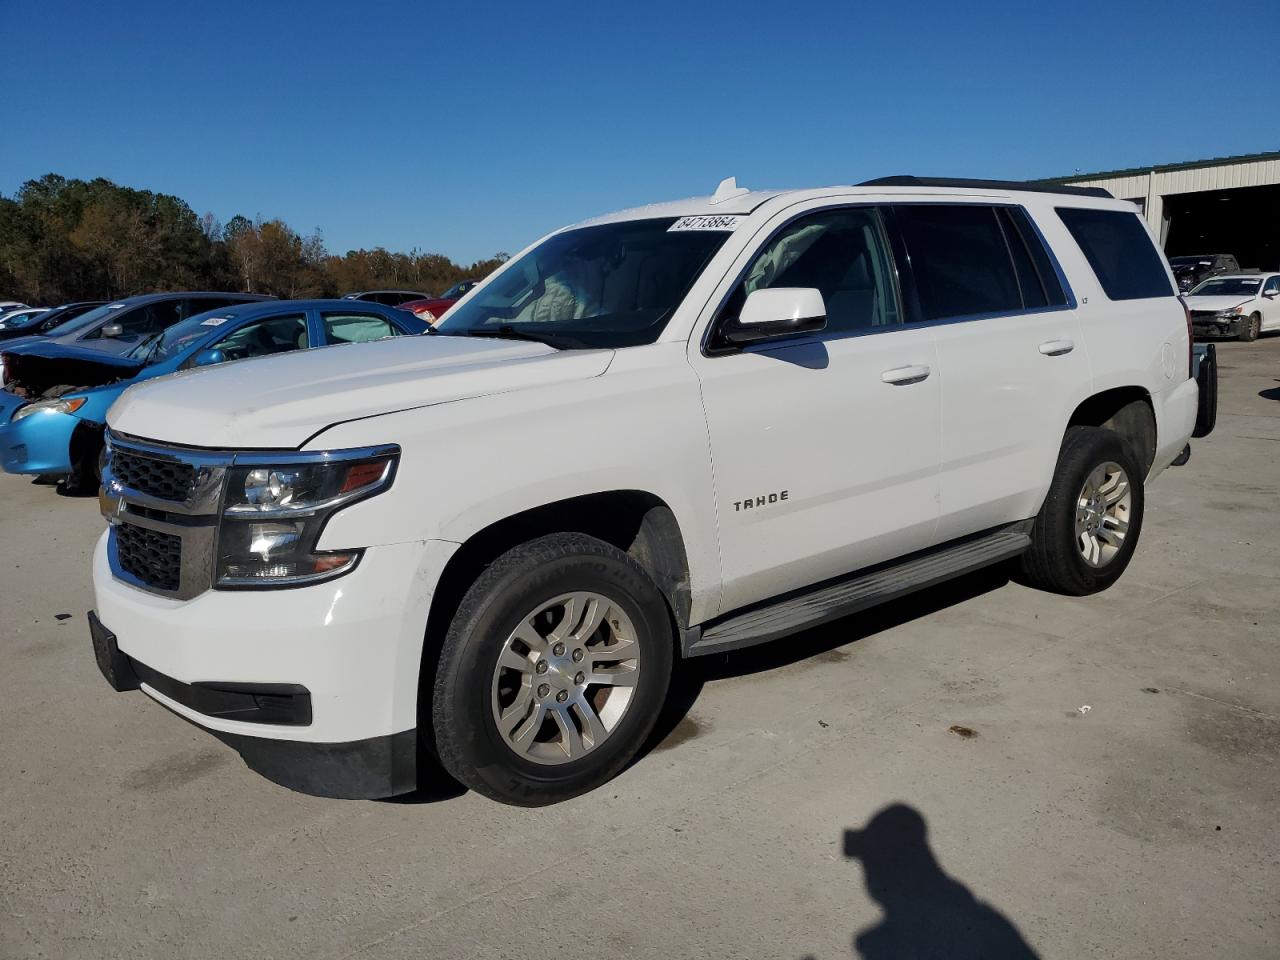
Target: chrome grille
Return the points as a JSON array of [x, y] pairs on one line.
[[162, 503], [153, 558], [162, 479]]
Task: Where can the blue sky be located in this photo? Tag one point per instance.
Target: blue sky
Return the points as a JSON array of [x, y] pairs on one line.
[[468, 128]]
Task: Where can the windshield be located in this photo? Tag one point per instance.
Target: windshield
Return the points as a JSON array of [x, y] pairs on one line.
[[173, 341], [1227, 287], [85, 319], [614, 285], [20, 318], [457, 290]]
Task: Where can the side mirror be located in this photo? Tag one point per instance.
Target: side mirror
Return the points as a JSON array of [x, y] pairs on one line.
[[1271, 294], [777, 312], [207, 358], [113, 330]]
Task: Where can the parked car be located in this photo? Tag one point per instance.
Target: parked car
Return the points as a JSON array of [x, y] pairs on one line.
[[666, 433], [1190, 270], [62, 433], [432, 308], [19, 318], [7, 305], [116, 328], [41, 323], [1236, 305], [392, 298]]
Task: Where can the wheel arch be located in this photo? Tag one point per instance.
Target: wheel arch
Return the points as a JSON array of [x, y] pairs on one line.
[[1129, 412], [635, 521]]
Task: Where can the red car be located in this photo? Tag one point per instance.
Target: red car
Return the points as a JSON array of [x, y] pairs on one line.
[[431, 308]]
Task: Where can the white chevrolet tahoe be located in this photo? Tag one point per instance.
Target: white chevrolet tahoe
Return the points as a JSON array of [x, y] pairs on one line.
[[664, 433]]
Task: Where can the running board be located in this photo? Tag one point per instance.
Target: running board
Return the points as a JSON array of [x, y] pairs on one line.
[[796, 613]]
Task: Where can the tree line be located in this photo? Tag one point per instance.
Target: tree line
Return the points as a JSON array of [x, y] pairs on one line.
[[65, 239]]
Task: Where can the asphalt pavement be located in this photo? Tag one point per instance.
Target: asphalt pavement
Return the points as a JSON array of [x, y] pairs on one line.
[[979, 766]]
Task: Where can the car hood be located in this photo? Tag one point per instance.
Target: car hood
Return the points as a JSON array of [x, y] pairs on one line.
[[65, 349], [1217, 303], [98, 346], [280, 402]]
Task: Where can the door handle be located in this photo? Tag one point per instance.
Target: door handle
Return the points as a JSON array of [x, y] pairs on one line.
[[904, 375], [1056, 348]]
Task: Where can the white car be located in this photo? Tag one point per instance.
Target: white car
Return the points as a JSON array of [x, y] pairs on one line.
[[19, 315], [1240, 305], [660, 434]]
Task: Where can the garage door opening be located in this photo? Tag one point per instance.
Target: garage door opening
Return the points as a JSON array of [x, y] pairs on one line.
[[1244, 221]]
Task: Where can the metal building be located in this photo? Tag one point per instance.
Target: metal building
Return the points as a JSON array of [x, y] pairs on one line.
[[1224, 205]]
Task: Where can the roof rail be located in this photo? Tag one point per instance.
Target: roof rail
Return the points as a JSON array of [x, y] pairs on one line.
[[910, 181]]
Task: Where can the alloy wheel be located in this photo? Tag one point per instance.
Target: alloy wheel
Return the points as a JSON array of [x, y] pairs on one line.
[[1102, 513], [565, 678]]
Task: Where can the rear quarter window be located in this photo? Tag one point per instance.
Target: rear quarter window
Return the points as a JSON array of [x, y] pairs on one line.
[[1120, 251]]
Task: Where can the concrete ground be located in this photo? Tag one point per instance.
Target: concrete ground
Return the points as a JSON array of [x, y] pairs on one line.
[[1100, 774]]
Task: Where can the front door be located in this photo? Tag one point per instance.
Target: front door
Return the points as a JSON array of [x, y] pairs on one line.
[[1269, 304], [825, 447]]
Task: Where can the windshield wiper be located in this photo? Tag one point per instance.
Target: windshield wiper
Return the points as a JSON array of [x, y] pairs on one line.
[[507, 332], [147, 348]]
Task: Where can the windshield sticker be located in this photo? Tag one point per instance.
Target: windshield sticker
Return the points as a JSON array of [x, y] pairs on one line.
[[706, 222], [214, 321]]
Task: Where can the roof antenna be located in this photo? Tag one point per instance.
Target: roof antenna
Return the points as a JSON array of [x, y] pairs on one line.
[[727, 190]]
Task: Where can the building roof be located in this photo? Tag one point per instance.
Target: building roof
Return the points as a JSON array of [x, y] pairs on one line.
[[1164, 167]]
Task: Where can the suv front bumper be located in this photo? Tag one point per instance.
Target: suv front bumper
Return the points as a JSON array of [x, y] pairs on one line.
[[316, 687]]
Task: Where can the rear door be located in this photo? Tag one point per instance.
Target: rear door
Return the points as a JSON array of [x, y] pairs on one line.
[[1012, 364], [825, 447], [355, 326]]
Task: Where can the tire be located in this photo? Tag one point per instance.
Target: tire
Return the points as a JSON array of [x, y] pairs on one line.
[[1252, 327], [1056, 560], [509, 615], [87, 450]]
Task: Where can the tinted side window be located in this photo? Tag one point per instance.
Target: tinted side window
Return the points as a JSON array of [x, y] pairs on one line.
[[1033, 293], [265, 337], [151, 318], [1120, 252], [1055, 296], [356, 327], [842, 253], [960, 260], [201, 304]]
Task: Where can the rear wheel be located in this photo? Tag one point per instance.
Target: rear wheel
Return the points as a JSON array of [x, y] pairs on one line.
[[1088, 527], [1251, 328], [553, 671]]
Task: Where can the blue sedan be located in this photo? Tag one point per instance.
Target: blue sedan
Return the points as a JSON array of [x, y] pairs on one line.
[[54, 404]]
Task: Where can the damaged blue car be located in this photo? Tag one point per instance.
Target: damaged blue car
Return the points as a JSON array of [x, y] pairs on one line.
[[54, 403]]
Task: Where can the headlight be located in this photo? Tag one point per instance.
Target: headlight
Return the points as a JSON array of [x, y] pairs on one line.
[[425, 314], [62, 405], [273, 516], [1233, 312]]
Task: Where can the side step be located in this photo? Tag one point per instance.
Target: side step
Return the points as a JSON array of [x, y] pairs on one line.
[[830, 602]]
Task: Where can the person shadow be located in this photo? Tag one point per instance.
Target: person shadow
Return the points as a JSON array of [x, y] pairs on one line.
[[927, 914]]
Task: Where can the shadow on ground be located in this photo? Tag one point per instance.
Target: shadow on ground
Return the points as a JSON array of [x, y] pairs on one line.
[[674, 725], [927, 914]]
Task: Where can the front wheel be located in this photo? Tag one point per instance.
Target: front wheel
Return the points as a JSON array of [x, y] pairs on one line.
[[1251, 328], [87, 454], [553, 671], [1088, 527]]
